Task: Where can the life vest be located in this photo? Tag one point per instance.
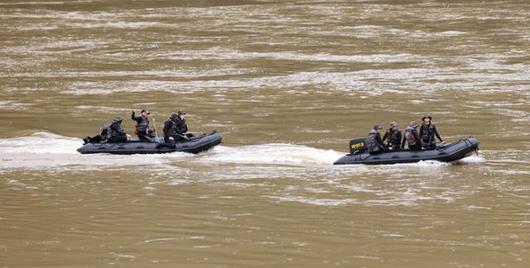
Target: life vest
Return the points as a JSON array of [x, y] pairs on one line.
[[170, 132], [106, 132], [395, 138], [143, 126], [427, 134]]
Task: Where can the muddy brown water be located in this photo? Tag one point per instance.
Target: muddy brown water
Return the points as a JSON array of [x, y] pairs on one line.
[[287, 83]]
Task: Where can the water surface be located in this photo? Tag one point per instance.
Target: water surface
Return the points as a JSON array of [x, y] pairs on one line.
[[287, 83]]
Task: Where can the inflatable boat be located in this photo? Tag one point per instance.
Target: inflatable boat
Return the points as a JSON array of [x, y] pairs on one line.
[[194, 145], [444, 153]]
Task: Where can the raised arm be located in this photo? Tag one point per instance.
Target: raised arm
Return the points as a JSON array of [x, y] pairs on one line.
[[135, 118]]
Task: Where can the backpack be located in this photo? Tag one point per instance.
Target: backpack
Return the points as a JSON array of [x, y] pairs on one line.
[[411, 139], [105, 132]]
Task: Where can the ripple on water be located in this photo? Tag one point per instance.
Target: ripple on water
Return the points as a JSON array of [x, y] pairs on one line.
[[372, 82]]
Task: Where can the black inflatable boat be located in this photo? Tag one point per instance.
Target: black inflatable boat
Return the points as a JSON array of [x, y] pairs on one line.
[[445, 153], [194, 145]]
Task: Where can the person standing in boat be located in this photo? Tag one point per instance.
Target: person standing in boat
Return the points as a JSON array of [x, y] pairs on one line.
[[142, 126], [373, 142], [170, 129], [428, 132], [411, 137], [394, 137]]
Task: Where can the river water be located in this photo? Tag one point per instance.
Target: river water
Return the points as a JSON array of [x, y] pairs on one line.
[[287, 83]]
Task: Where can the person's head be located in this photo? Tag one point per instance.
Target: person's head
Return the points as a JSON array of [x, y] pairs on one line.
[[395, 126], [426, 119], [117, 119], [174, 116], [413, 124], [145, 112], [377, 128], [181, 114], [392, 124]]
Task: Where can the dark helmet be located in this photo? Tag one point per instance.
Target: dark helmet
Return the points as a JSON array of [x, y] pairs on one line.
[[426, 116], [117, 119]]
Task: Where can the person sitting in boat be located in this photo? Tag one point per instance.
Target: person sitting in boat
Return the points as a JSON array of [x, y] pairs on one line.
[[170, 129], [427, 133], [142, 126], [373, 142], [111, 133], [411, 137], [394, 137], [115, 132], [182, 127]]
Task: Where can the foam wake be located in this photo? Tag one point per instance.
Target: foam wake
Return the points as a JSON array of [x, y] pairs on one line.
[[274, 154], [44, 150], [473, 159]]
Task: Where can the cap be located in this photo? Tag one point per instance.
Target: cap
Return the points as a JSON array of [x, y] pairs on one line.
[[426, 116]]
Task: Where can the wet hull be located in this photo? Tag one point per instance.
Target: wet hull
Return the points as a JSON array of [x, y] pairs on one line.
[[447, 153], [195, 145]]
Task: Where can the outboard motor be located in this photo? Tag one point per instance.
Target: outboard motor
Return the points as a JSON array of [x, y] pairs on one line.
[[357, 146]]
